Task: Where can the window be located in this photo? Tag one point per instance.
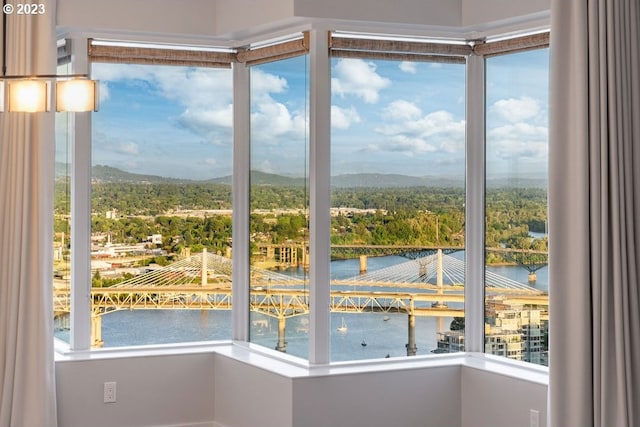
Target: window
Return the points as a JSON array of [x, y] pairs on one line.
[[516, 276], [397, 215], [62, 223], [161, 243], [161, 205], [279, 219]]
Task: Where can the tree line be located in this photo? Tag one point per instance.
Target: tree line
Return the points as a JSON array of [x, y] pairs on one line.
[[375, 216]]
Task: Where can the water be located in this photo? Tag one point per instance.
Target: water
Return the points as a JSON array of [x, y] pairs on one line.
[[383, 338]]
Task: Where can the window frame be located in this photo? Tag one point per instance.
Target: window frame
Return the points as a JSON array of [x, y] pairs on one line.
[[319, 209]]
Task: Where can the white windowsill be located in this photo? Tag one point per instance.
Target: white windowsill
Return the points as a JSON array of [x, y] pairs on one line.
[[294, 367]]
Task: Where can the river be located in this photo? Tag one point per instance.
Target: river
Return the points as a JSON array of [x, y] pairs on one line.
[[383, 335]]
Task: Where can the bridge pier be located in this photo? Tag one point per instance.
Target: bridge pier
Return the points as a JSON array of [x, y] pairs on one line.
[[282, 328], [363, 264], [96, 331], [412, 348], [532, 277]]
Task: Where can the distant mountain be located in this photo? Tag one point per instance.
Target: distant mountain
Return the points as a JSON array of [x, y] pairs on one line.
[[264, 178], [109, 174], [102, 173], [378, 180], [517, 182]]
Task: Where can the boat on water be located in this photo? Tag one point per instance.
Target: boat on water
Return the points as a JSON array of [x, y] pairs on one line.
[[386, 318], [343, 326]]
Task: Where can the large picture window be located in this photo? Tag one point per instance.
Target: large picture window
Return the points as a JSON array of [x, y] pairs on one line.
[[516, 274], [399, 277], [161, 205], [279, 201], [397, 208]]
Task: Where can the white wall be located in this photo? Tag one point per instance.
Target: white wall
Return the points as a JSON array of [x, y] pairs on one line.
[[403, 12], [169, 17], [151, 391], [482, 12], [207, 389], [494, 400], [248, 396], [427, 397], [230, 22]]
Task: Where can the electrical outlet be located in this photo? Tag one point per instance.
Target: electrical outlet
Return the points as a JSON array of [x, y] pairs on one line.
[[534, 418], [110, 392]]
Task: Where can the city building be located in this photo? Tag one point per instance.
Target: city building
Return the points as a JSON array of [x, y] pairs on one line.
[[235, 382]]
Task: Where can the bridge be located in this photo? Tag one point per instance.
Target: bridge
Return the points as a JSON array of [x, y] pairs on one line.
[[290, 254], [428, 286]]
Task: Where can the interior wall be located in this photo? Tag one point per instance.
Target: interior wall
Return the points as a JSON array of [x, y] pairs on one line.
[[495, 400], [402, 12], [169, 17], [427, 397], [206, 390], [175, 390], [248, 396], [482, 12], [230, 21]]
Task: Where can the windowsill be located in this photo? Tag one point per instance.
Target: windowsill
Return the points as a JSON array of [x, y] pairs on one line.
[[293, 367]]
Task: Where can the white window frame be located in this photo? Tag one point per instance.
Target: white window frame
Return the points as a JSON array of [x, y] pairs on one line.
[[319, 168]]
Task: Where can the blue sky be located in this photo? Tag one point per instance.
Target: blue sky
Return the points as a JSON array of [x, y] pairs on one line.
[[387, 117]]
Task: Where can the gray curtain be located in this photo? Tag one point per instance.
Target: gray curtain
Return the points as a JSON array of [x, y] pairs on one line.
[[27, 385], [594, 213]]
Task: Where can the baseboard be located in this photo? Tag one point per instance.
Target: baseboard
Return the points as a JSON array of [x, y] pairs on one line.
[[207, 424]]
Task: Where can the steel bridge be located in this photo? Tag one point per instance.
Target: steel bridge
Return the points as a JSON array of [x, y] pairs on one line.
[[293, 254], [429, 286]]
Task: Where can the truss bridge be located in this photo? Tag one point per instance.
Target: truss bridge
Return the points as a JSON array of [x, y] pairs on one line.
[[429, 286]]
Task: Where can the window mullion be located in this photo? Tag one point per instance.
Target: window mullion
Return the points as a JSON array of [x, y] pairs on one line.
[[475, 194], [320, 203], [81, 316], [240, 202]]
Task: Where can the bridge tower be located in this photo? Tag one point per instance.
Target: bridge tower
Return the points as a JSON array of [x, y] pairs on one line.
[[203, 269], [440, 286]]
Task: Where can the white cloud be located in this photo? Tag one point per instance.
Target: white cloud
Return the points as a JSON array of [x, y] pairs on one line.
[[408, 67], [263, 84], [522, 140], [516, 110], [205, 95], [265, 166], [206, 105], [359, 78], [127, 148], [271, 120], [103, 92], [342, 118], [411, 133], [403, 110]]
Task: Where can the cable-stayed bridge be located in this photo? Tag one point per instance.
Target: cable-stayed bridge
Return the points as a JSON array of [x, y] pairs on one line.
[[432, 285]]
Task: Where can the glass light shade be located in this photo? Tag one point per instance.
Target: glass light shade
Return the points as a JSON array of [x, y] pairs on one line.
[[77, 95], [28, 96]]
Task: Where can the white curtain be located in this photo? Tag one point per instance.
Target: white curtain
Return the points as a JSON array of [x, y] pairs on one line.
[[594, 214], [27, 385]]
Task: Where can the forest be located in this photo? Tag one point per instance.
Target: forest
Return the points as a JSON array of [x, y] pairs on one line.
[[425, 216]]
